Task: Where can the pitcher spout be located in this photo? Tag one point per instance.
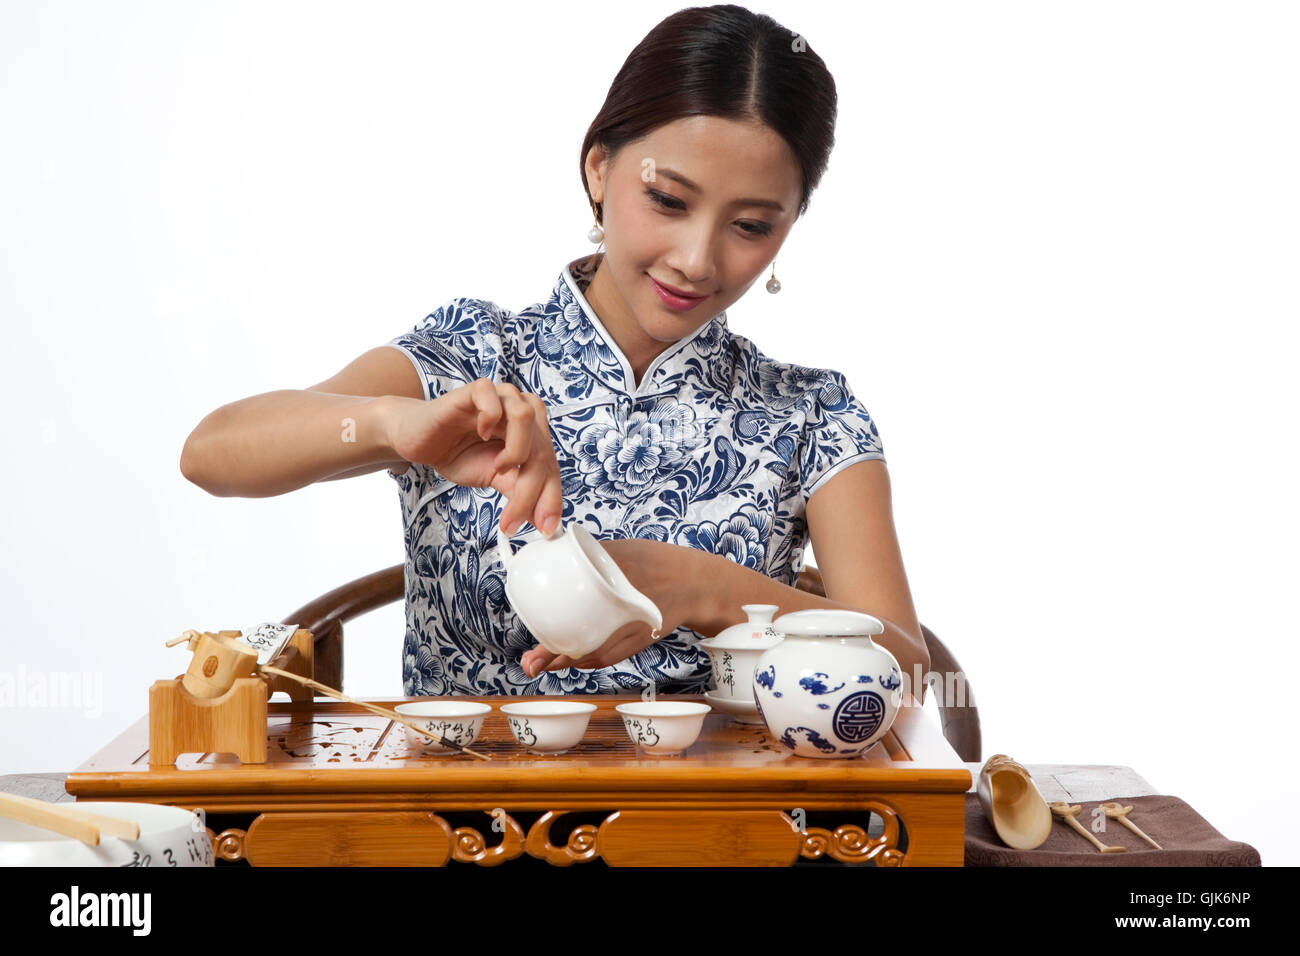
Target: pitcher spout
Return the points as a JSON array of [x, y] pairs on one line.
[[646, 611]]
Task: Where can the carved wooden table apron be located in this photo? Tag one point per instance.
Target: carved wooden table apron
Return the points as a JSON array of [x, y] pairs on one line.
[[344, 786]]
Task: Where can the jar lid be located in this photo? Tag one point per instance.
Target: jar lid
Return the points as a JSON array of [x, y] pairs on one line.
[[829, 622]]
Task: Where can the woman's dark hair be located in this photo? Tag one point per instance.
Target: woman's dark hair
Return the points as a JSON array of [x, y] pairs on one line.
[[722, 61]]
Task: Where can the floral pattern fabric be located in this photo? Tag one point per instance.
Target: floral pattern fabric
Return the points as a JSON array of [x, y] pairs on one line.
[[718, 448]]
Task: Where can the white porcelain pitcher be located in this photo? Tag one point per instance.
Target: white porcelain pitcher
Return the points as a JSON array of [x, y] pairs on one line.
[[570, 593]]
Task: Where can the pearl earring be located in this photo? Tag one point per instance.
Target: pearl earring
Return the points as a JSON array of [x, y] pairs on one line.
[[595, 233], [773, 284]]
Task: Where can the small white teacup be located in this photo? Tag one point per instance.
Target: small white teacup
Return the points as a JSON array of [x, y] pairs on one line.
[[663, 726], [458, 721], [548, 726]]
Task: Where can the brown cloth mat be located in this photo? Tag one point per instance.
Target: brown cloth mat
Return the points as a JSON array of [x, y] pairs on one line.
[[1186, 839]]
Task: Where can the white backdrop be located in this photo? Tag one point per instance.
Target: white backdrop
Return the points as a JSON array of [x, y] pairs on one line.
[[1055, 254]]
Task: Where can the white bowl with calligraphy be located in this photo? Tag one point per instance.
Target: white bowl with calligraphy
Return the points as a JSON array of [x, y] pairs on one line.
[[663, 726], [169, 836], [741, 711], [548, 726], [458, 721]]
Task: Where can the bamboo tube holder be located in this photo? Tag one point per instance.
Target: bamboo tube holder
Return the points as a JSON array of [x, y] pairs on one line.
[[219, 704], [1017, 811]]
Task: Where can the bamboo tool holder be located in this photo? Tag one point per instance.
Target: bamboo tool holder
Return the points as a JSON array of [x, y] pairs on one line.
[[76, 822], [1067, 812], [219, 704], [296, 657]]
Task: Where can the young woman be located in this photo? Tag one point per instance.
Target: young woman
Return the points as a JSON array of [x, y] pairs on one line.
[[622, 401]]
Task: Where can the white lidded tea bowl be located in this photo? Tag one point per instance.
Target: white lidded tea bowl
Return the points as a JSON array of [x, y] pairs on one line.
[[734, 651]]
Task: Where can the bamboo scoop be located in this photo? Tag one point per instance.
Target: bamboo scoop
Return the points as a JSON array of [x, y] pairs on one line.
[[1012, 803], [1113, 810], [76, 822], [1067, 812]]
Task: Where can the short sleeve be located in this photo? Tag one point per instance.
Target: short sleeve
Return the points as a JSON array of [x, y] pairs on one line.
[[446, 348], [838, 432]]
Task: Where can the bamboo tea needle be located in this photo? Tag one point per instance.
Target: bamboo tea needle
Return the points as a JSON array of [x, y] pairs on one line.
[[1113, 810], [391, 715], [1066, 813]]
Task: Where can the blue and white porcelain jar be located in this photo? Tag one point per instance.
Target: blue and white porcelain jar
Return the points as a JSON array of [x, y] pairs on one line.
[[828, 690]]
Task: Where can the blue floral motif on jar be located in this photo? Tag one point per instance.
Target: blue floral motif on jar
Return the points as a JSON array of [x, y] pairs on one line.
[[816, 684], [814, 738], [766, 678]]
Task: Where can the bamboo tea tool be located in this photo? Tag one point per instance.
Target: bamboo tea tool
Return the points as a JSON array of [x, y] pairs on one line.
[[1013, 805], [219, 704], [1066, 812], [1113, 810], [71, 821], [383, 712]]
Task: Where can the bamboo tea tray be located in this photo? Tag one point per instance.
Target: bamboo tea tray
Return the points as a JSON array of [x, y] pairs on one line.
[[344, 786]]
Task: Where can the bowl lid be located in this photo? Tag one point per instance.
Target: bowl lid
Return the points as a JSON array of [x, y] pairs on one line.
[[740, 642], [828, 622]]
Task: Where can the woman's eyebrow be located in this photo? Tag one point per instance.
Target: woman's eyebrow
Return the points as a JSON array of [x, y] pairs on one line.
[[678, 177]]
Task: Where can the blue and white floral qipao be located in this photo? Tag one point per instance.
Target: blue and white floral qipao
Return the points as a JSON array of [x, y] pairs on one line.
[[718, 448]]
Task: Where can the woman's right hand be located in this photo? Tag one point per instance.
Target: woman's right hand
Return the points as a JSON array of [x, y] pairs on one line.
[[487, 434]]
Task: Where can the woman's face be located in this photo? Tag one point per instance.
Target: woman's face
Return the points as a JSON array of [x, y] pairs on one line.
[[714, 239]]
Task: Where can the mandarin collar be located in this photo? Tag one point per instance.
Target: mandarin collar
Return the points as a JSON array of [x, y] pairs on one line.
[[697, 358]]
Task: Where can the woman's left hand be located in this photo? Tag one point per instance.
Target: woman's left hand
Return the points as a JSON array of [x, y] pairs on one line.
[[656, 569]]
